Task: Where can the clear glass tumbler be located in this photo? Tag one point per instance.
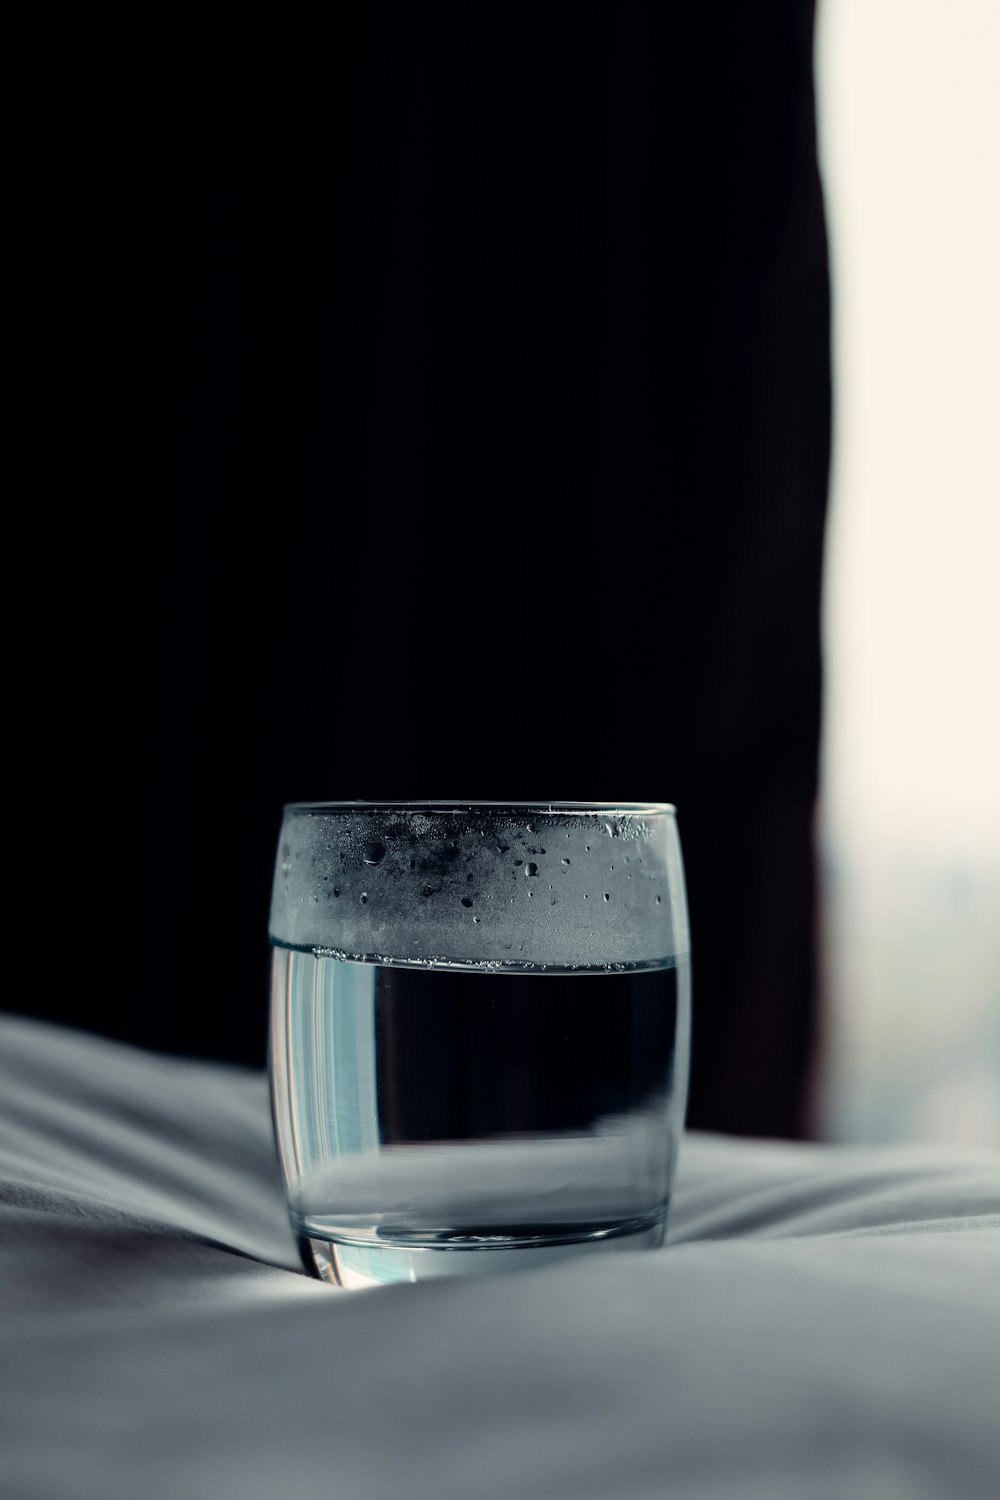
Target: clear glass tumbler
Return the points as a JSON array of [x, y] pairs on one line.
[[479, 1044]]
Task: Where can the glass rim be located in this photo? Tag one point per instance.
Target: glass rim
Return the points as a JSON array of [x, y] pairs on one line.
[[555, 809]]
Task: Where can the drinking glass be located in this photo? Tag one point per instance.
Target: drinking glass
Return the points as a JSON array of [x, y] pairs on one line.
[[479, 1040]]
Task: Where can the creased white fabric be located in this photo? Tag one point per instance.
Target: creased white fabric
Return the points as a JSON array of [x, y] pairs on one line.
[[823, 1323]]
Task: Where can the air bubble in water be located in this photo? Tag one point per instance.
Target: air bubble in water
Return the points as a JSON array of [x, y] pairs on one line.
[[467, 901], [564, 861], [374, 852], [531, 869], [364, 897], [606, 896]]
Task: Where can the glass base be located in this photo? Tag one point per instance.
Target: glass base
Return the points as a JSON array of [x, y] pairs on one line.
[[376, 1260]]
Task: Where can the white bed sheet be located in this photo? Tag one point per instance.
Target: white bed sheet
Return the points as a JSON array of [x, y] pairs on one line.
[[822, 1323]]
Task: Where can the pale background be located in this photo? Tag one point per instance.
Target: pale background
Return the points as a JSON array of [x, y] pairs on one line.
[[909, 115]]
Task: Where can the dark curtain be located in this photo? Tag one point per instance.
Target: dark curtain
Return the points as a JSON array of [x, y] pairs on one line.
[[487, 359]]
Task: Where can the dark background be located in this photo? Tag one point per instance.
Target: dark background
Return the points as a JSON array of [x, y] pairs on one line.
[[475, 392]]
